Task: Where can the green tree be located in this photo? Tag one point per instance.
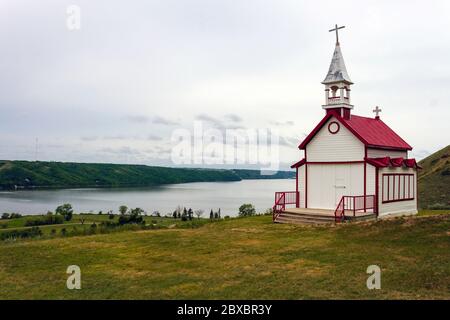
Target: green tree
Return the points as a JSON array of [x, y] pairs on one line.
[[65, 210], [247, 209], [199, 213], [123, 209], [211, 214]]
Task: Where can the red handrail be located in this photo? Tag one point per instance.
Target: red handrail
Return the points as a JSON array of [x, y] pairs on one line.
[[282, 199], [353, 204]]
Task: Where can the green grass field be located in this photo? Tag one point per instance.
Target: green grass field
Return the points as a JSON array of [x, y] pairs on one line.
[[245, 258]]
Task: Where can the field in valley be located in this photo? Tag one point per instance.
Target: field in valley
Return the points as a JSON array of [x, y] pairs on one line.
[[243, 258]]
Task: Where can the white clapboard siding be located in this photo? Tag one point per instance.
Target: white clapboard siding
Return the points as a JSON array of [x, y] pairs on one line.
[[370, 179], [397, 207], [380, 153], [301, 185], [342, 146]]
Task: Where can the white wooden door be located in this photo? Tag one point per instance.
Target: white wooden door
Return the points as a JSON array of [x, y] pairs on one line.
[[340, 182]]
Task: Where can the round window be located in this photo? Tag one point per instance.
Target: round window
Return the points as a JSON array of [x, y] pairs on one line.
[[333, 127]]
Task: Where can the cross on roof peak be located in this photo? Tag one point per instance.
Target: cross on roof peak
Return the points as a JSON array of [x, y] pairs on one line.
[[377, 111], [336, 28]]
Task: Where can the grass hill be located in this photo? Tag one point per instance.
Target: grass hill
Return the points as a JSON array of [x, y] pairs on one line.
[[28, 174], [434, 180], [244, 258]]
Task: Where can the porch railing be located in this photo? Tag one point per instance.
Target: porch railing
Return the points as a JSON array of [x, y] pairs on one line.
[[353, 204], [282, 199]]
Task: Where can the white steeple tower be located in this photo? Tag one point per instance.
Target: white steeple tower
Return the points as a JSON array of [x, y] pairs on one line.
[[337, 83]]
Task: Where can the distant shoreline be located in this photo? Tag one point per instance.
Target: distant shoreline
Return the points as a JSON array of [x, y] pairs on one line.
[[41, 175], [43, 188]]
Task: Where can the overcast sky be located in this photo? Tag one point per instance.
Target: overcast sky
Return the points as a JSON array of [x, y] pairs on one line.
[[115, 90]]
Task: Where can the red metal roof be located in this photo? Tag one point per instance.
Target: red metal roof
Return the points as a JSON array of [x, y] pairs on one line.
[[393, 162], [372, 132]]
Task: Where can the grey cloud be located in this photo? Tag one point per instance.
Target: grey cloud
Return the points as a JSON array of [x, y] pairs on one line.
[[124, 150], [219, 124], [153, 137], [163, 121], [89, 138], [137, 119], [283, 123], [288, 141], [233, 117], [116, 137]]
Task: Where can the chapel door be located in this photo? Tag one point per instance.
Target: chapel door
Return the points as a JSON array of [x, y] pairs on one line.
[[340, 182]]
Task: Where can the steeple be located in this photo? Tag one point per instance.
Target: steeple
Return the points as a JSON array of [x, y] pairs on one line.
[[336, 79], [337, 71]]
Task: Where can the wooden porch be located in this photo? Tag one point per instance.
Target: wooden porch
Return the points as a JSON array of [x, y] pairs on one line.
[[350, 208], [315, 215]]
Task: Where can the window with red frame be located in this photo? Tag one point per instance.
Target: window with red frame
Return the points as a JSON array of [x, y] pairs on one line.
[[398, 187]]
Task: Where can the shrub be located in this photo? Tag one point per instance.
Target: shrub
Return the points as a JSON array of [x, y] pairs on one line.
[[65, 210], [27, 233], [135, 217], [46, 220], [123, 209], [439, 206], [246, 210], [63, 231], [5, 216], [15, 216]]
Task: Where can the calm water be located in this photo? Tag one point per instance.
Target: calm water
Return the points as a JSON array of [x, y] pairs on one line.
[[227, 196]]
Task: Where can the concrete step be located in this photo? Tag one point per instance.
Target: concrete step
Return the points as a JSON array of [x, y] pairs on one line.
[[307, 216], [300, 220]]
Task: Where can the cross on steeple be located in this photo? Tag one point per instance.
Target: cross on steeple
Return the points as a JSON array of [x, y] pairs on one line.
[[377, 111], [336, 28]]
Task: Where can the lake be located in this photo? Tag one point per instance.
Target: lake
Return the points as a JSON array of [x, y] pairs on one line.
[[227, 196]]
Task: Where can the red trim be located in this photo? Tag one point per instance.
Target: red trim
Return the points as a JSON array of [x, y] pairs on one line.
[[298, 164], [417, 194], [306, 180], [365, 177], [334, 162], [377, 183], [297, 202], [329, 127], [394, 162]]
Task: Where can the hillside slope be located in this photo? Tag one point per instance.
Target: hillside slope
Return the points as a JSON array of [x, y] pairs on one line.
[[244, 258], [27, 174], [434, 180]]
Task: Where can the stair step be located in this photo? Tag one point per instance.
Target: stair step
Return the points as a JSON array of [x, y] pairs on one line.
[[299, 220], [307, 216]]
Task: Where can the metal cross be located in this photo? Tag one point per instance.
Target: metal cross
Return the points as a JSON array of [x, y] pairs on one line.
[[336, 28], [377, 111]]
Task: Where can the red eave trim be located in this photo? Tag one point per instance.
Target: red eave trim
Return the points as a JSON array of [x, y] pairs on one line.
[[298, 164], [373, 146]]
